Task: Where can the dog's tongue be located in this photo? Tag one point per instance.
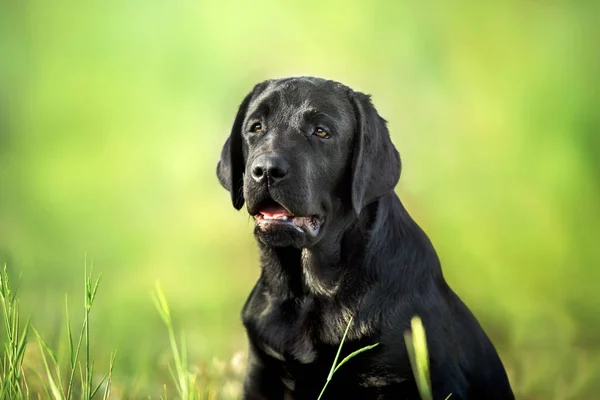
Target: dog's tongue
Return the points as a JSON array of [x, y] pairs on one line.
[[275, 212]]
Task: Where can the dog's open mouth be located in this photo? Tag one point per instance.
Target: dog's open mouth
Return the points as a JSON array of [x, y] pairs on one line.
[[275, 214]]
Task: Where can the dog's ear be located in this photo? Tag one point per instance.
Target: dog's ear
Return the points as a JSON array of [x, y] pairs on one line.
[[230, 168], [376, 162]]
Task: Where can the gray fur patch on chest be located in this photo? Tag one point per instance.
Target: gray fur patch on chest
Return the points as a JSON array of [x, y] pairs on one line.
[[271, 352], [378, 381], [304, 351], [301, 350], [289, 383], [314, 284], [333, 328]]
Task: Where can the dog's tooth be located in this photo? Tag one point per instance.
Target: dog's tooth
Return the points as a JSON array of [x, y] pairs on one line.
[[284, 218]]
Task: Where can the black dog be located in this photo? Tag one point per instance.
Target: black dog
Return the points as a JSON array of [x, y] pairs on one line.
[[314, 162]]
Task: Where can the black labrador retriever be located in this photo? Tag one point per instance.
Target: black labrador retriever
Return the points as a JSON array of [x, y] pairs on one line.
[[314, 162]]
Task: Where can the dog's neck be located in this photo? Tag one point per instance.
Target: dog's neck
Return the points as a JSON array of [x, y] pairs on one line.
[[290, 272]]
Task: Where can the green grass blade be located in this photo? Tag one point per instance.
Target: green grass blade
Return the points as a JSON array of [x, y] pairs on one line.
[[184, 363], [88, 305], [81, 379], [416, 344], [337, 355], [94, 289], [184, 374], [44, 385], [354, 354], [161, 304], [90, 382], [74, 366], [54, 389], [69, 334], [104, 378], [174, 378], [22, 344], [110, 372], [25, 384], [180, 374], [11, 370]]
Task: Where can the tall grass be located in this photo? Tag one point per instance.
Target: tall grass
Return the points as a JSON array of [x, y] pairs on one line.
[[184, 380], [12, 382], [54, 386], [60, 383], [77, 380]]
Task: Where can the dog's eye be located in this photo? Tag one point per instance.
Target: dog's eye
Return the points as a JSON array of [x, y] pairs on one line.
[[256, 127], [320, 132]]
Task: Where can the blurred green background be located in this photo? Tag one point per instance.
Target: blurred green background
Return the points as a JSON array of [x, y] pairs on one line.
[[113, 114]]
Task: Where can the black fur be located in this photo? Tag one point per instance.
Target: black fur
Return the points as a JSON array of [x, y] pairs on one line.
[[369, 261]]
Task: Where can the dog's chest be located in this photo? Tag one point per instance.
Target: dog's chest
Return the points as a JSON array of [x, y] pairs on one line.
[[284, 331], [293, 330]]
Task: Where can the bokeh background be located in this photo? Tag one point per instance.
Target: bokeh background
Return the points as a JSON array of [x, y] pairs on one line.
[[112, 118]]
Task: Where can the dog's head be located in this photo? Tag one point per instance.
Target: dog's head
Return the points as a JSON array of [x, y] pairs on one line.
[[303, 153]]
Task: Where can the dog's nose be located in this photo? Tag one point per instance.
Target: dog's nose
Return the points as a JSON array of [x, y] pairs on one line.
[[271, 168]]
